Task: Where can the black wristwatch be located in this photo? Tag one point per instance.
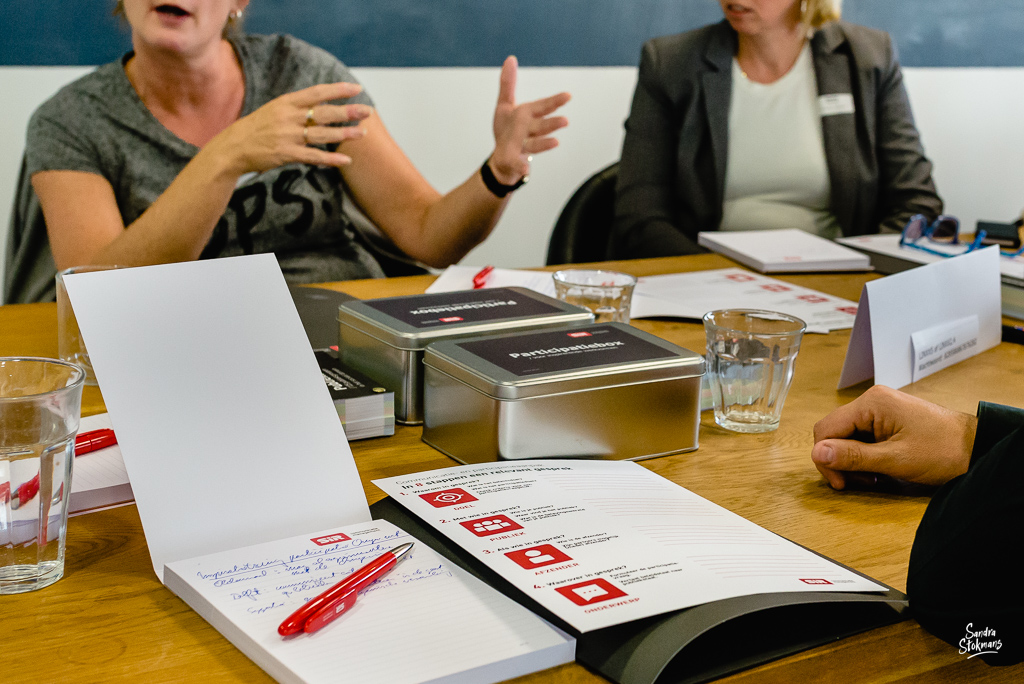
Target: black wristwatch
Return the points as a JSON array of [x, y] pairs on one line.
[[497, 188]]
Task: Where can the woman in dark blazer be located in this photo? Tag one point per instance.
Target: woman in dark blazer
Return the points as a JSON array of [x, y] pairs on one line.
[[673, 174]]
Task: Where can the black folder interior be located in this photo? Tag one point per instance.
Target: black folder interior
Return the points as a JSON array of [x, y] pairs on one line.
[[696, 644]]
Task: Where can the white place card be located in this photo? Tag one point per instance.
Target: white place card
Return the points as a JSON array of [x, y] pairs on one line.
[[938, 295]]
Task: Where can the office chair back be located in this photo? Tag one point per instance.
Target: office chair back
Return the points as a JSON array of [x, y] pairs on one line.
[[585, 224]]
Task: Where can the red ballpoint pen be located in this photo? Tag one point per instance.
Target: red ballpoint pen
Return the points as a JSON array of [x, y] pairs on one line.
[[94, 440], [480, 279], [337, 600]]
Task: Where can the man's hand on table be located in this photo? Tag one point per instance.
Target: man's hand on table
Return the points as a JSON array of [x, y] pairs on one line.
[[887, 432]]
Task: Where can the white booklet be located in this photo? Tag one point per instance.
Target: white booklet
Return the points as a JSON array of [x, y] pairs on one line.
[[784, 251], [99, 478], [687, 295], [600, 543], [692, 294], [425, 621], [889, 245]]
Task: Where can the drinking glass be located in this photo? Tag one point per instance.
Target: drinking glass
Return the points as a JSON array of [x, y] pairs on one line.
[[750, 359], [40, 404], [607, 293]]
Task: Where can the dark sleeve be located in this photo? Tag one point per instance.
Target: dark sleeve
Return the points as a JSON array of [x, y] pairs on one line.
[[965, 579], [905, 174], [644, 200]]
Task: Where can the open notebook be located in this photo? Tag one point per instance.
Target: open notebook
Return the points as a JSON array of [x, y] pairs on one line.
[[426, 621], [238, 458]]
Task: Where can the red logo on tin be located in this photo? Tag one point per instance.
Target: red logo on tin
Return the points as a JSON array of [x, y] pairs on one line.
[[330, 539], [580, 334], [591, 591], [815, 581], [496, 524], [739, 277], [776, 288], [451, 319], [448, 497], [852, 310], [812, 298]]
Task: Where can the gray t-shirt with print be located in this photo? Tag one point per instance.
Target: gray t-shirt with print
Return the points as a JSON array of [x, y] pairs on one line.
[[99, 125]]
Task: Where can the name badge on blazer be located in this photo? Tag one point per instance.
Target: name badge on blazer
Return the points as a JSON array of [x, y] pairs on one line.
[[836, 103]]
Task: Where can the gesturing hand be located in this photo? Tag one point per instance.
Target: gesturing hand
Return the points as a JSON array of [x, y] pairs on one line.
[[522, 130], [287, 129], [888, 432]]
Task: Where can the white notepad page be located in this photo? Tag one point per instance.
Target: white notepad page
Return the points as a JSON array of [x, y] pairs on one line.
[[99, 478], [225, 424], [426, 621]]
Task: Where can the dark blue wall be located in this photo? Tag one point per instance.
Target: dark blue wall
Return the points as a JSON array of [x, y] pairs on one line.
[[482, 32]]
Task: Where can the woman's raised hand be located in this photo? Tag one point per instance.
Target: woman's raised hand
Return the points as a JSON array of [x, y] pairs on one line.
[[522, 130], [289, 128]]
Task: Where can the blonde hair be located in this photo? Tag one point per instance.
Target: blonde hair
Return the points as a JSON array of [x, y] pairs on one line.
[[817, 13]]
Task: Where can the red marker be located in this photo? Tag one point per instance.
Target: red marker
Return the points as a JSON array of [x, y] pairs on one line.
[[94, 440], [480, 279], [337, 600]]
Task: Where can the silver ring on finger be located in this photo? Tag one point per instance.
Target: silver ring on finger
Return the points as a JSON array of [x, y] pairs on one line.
[[310, 119], [305, 135]]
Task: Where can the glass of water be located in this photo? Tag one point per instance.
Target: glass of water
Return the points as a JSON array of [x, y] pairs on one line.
[[40, 404], [607, 293], [750, 359]]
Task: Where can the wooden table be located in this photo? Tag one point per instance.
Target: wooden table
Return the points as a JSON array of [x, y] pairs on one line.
[[109, 618]]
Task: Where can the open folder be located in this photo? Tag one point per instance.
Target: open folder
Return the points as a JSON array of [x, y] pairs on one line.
[[656, 583]]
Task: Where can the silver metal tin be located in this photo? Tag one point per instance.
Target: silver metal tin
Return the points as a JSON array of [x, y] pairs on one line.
[[607, 391], [385, 338]]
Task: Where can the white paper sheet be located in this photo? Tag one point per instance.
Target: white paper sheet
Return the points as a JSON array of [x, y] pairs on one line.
[[225, 424], [896, 307], [425, 621], [99, 479], [688, 295], [455, 278], [600, 543]]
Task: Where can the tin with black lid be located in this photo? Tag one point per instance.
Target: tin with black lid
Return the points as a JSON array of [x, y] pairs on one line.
[[606, 391], [385, 338]]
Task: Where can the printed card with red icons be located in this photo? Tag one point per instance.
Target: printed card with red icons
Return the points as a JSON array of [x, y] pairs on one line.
[[690, 295], [603, 542]]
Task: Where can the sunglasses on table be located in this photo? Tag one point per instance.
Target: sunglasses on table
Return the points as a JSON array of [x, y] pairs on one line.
[[944, 230]]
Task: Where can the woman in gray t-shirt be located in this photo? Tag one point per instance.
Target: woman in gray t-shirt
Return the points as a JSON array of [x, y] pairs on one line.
[[204, 142]]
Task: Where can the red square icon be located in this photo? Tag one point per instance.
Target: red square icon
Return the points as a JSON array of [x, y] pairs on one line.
[[815, 581], [331, 539], [591, 591], [538, 556], [495, 524], [448, 497]]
